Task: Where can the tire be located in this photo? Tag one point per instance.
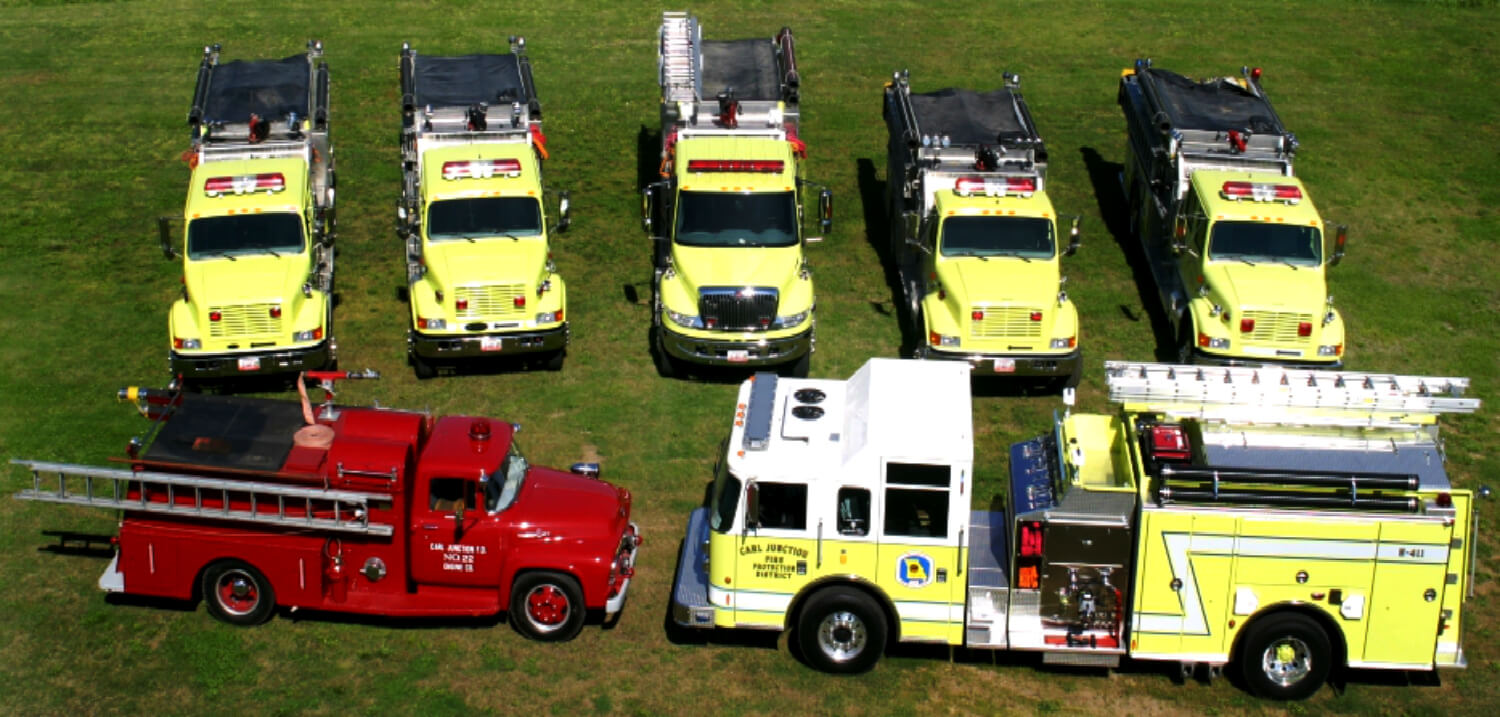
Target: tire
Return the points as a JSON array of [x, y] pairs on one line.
[[237, 593], [1185, 340], [547, 607], [422, 368], [666, 366], [1285, 656], [1076, 376], [554, 361], [799, 367], [842, 631]]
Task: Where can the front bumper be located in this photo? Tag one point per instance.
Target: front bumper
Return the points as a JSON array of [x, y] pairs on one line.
[[690, 605], [252, 363], [730, 352], [433, 346], [1058, 365], [1205, 358], [614, 604]]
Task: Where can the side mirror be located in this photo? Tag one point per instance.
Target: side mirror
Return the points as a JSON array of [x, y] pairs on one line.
[[1179, 234], [752, 506], [164, 228], [1073, 242], [458, 521], [825, 210], [588, 470], [563, 219], [648, 198], [1340, 237]]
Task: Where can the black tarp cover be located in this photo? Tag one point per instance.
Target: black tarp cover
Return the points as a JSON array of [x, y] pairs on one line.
[[1214, 106], [228, 432], [269, 88], [466, 80], [969, 117], [748, 66]]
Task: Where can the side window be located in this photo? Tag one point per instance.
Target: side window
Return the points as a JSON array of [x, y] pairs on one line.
[[449, 493], [783, 506], [1197, 222], [916, 500], [854, 511]]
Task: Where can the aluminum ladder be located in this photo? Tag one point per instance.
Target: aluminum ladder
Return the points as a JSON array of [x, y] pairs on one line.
[[1277, 394], [678, 57], [189, 496]]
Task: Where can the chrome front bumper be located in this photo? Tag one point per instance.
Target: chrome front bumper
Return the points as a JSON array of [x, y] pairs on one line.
[[729, 352], [487, 344], [240, 364], [1058, 365]]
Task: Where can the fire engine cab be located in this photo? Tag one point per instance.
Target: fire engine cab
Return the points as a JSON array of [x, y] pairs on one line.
[[250, 504], [1282, 521]]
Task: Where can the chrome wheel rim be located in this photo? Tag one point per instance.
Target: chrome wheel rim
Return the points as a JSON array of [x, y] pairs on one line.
[[237, 592], [547, 608], [842, 636], [1286, 661]]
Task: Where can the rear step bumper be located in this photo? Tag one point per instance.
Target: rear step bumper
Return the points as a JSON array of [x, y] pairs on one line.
[[690, 605]]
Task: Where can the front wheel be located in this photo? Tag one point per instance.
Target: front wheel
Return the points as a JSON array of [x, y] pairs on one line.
[[841, 631], [1286, 657], [799, 367], [237, 593], [547, 607], [422, 368], [1185, 340]]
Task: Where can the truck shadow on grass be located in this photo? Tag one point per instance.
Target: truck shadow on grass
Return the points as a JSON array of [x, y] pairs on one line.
[[1109, 192], [872, 198]]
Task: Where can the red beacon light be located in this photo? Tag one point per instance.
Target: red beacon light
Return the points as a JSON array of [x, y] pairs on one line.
[[1262, 192], [269, 183], [762, 166], [994, 186], [481, 168]]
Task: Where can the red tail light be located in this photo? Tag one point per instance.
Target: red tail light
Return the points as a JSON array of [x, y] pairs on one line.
[[520, 302], [214, 316], [275, 312], [934, 339], [1203, 339], [1304, 328], [1031, 539], [461, 304], [1036, 316], [977, 316], [1247, 325], [735, 165]]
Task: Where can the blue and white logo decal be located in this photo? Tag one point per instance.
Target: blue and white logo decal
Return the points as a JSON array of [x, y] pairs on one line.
[[914, 570]]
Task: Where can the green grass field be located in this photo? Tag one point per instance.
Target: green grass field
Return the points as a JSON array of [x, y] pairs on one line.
[[1394, 103]]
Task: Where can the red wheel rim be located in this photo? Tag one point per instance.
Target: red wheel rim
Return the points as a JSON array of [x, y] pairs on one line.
[[547, 606], [237, 592]]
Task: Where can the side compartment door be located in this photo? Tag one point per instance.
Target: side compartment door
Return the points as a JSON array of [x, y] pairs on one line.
[[918, 562], [1411, 573], [454, 540]]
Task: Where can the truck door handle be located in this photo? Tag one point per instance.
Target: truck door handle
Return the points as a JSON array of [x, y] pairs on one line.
[[429, 526]]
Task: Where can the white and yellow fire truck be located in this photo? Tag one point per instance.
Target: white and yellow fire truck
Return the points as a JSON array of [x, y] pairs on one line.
[[1283, 521]]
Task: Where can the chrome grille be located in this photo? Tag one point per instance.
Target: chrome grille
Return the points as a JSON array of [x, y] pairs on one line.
[[236, 320], [488, 300], [1276, 327], [1004, 322], [738, 308]]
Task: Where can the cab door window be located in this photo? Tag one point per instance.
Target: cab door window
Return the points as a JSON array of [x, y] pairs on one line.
[[447, 494], [854, 512], [783, 506], [916, 500]]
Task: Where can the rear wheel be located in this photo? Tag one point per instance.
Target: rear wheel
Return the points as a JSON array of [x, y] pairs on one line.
[[237, 593], [1285, 656], [841, 630], [422, 368], [547, 606]]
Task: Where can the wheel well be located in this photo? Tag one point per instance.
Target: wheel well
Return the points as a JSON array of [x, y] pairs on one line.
[[886, 607], [1319, 617]]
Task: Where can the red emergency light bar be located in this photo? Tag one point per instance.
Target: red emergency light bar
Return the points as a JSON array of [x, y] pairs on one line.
[[769, 166], [245, 183], [1261, 192], [481, 168], [995, 187]]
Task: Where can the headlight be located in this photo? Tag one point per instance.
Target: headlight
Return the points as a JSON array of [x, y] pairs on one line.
[[1334, 350], [432, 323], [549, 317], [688, 321], [937, 339], [187, 343], [310, 335], [787, 322], [1066, 343]]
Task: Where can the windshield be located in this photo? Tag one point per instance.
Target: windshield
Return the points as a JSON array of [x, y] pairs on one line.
[[1029, 237], [737, 219], [1256, 241], [483, 218], [501, 489], [726, 497], [276, 233]]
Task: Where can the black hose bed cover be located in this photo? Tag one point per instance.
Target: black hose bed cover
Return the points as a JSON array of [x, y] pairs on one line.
[[228, 432], [269, 88], [1215, 106], [969, 117], [749, 66], [466, 80]]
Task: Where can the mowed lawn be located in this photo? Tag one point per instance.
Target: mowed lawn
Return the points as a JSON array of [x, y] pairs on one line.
[[1394, 103]]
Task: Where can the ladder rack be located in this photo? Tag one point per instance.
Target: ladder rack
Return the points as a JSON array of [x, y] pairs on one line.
[[679, 58], [202, 497], [1275, 394]]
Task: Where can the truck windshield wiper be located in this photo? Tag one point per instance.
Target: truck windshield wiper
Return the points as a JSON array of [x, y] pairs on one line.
[[1015, 254], [975, 254]]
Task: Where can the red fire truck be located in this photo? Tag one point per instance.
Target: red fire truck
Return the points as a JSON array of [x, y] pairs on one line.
[[251, 503]]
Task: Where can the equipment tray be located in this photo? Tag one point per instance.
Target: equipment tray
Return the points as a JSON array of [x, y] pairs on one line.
[[465, 80], [268, 88], [748, 66], [1218, 105], [968, 117]]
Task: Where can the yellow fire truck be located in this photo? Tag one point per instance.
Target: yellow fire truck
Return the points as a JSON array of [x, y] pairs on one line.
[[1283, 521], [731, 285], [481, 281], [257, 253]]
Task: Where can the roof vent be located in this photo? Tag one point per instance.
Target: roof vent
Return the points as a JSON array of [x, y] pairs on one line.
[[807, 413], [810, 396]]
